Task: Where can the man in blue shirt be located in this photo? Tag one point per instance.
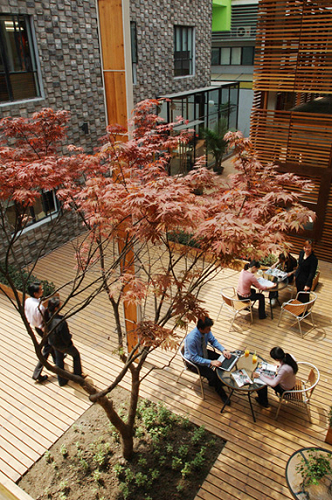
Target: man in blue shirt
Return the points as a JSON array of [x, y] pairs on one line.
[[195, 350]]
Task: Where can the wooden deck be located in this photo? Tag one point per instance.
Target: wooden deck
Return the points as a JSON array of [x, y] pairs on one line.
[[252, 464]]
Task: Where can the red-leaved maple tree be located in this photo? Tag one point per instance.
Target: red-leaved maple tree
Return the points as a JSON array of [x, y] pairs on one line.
[[129, 207]]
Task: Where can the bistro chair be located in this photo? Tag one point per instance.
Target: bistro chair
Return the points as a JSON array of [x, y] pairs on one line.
[[299, 310], [195, 368], [302, 392], [233, 304]]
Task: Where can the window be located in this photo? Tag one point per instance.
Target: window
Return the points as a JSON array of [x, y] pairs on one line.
[[18, 70], [44, 206], [133, 40], [183, 51], [235, 56]]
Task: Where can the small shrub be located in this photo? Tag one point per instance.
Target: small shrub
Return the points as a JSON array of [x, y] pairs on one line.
[[314, 467], [198, 434], [63, 451], [21, 279]]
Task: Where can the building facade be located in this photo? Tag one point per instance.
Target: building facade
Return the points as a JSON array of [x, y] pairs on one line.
[[96, 59], [291, 122], [233, 52]]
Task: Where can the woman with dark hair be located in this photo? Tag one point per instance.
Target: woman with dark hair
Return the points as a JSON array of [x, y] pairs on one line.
[[244, 290], [285, 379], [60, 339], [306, 270]]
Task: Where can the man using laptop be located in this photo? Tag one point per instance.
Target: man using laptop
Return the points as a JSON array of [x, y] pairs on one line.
[[195, 350]]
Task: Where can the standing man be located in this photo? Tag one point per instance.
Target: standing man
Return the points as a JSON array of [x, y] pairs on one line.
[[34, 311], [195, 350]]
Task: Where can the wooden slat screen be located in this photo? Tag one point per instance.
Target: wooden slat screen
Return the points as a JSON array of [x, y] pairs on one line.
[[292, 137], [294, 46]]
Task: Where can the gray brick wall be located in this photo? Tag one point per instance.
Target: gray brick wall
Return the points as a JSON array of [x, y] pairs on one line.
[[68, 52], [155, 20]]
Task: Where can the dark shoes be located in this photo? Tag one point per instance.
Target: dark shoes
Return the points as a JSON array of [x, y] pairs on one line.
[[41, 379], [263, 317], [264, 404]]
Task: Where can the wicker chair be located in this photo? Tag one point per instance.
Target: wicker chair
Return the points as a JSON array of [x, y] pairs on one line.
[[234, 304], [302, 392], [299, 310], [195, 368]]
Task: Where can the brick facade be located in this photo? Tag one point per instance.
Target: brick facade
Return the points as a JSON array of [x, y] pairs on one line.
[[155, 20], [68, 51]]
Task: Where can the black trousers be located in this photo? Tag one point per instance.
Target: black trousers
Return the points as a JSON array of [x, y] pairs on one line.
[[59, 361], [261, 301], [47, 350], [210, 374], [262, 393], [303, 297]]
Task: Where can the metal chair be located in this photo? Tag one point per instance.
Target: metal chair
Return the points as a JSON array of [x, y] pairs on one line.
[[302, 392], [234, 304], [186, 362], [299, 310]]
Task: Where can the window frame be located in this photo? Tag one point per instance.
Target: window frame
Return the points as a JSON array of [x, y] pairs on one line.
[[31, 213], [188, 43], [133, 45], [8, 60], [230, 48]]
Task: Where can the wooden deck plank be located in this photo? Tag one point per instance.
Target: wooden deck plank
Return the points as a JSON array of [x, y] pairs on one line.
[[253, 461]]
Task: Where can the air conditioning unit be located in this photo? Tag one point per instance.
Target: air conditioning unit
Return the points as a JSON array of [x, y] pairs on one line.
[[243, 31]]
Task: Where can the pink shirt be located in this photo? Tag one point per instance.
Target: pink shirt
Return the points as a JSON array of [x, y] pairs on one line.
[[285, 377], [246, 280]]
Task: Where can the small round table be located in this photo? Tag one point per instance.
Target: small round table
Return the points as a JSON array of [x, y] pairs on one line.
[[294, 478], [247, 364]]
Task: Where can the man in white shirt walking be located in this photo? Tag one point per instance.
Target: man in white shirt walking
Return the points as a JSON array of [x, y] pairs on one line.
[[34, 311]]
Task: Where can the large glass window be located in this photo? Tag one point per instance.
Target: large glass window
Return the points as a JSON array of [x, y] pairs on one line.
[[235, 56], [183, 50], [18, 70], [133, 39], [44, 206]]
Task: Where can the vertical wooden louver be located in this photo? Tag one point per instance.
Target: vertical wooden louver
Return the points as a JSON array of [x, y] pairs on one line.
[[291, 121]]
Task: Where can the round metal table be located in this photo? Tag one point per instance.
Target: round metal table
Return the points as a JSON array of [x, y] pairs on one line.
[[247, 364]]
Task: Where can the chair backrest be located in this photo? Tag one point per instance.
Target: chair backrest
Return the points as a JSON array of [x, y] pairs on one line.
[[313, 378], [228, 295]]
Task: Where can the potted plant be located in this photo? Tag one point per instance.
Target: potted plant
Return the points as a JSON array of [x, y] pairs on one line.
[[315, 468], [328, 438], [216, 144]]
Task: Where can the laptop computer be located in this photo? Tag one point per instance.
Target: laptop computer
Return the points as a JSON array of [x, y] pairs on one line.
[[227, 364]]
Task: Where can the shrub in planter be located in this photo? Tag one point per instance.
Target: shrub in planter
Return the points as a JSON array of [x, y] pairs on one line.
[[269, 260], [22, 279], [183, 238]]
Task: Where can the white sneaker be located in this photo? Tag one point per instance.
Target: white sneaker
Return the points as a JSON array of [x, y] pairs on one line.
[[273, 302]]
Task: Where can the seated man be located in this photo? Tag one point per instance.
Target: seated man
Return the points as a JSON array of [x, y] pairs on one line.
[[195, 350]]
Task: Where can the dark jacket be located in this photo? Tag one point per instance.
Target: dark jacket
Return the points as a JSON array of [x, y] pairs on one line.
[[306, 270], [60, 336]]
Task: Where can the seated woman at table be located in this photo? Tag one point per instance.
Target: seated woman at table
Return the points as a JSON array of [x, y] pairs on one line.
[[244, 290], [306, 270], [285, 379], [288, 264]]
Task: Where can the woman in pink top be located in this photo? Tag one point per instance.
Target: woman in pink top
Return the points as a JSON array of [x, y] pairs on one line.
[[285, 379], [244, 290]]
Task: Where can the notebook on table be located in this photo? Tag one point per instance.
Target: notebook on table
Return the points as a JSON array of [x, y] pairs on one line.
[[227, 364]]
